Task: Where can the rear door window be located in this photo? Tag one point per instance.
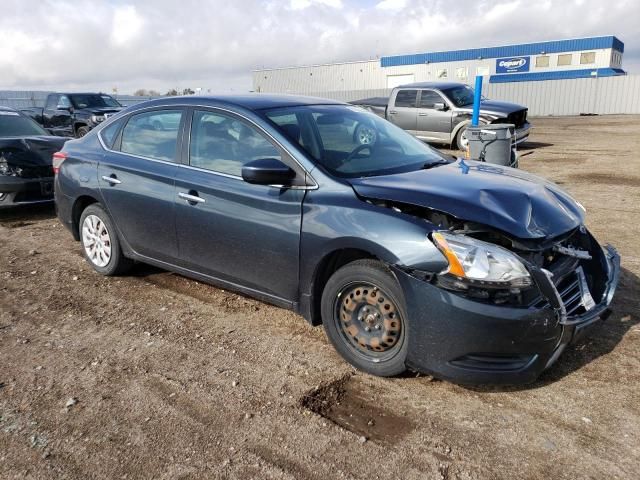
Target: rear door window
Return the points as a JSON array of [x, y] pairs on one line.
[[406, 98], [152, 134]]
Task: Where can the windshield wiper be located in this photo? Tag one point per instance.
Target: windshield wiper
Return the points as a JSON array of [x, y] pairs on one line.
[[429, 165]]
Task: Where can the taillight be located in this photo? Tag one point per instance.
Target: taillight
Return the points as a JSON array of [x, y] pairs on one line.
[[58, 158]]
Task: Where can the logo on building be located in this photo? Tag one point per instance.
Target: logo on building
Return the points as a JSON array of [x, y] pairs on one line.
[[512, 65]]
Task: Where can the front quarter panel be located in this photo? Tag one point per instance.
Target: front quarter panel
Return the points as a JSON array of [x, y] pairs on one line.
[[337, 219]]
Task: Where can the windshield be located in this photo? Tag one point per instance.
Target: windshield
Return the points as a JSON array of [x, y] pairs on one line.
[[93, 100], [459, 96], [350, 142], [13, 124]]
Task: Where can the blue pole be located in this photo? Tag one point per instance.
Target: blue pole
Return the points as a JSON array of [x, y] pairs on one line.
[[476, 101]]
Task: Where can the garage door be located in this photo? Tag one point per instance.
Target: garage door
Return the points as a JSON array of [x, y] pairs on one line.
[[394, 81]]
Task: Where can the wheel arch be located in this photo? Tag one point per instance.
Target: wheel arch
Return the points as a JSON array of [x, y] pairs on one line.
[[328, 264], [79, 206]]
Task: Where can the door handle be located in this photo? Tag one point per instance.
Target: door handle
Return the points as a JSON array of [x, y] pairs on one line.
[[392, 112], [111, 180], [423, 114], [190, 198]]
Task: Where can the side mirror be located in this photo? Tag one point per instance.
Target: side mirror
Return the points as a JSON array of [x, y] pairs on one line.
[[441, 106], [267, 171]]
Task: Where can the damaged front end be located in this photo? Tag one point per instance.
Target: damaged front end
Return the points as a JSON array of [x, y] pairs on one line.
[[26, 173], [505, 308]]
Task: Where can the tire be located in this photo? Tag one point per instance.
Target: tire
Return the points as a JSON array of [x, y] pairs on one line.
[[365, 135], [461, 140], [82, 131], [106, 256], [360, 295]]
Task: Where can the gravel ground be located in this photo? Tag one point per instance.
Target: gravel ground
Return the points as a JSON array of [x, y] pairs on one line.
[[156, 376]]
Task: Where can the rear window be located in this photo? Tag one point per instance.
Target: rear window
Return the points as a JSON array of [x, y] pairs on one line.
[[13, 124], [152, 135], [406, 98], [108, 134]]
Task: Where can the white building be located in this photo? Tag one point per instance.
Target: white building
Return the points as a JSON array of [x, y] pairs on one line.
[[542, 61]]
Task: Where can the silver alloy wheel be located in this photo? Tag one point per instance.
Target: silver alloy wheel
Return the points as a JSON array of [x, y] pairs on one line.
[[96, 241], [366, 136], [464, 141]]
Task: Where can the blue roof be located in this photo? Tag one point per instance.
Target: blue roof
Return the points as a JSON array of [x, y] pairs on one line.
[[556, 75], [573, 45]]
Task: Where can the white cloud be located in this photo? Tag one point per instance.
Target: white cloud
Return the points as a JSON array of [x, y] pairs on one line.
[[392, 4], [127, 25], [160, 44]]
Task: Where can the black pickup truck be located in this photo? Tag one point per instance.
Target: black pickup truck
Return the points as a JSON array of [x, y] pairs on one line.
[[74, 114]]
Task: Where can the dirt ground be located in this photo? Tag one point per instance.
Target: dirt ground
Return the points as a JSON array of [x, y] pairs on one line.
[[156, 376]]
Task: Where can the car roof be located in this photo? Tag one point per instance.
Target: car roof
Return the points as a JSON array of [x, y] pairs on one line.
[[249, 101], [438, 85]]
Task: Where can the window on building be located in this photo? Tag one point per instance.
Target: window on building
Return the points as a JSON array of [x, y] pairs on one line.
[[461, 73], [224, 144], [542, 61], [153, 134], [587, 57], [406, 98], [564, 59], [482, 71], [443, 73]]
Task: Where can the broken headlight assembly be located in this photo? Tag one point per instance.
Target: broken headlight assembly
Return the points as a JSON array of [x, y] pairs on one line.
[[9, 170], [482, 269]]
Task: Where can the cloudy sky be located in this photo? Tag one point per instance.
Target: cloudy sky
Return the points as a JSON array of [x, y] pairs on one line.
[[211, 44]]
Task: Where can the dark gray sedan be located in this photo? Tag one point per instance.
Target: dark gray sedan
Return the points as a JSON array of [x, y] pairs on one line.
[[471, 272]]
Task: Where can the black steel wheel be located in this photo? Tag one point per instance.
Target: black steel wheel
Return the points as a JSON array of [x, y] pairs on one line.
[[363, 316]]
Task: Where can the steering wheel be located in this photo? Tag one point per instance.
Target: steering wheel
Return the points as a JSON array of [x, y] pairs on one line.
[[356, 151]]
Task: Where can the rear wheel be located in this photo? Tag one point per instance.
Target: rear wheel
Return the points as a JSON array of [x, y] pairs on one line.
[[100, 244], [363, 314]]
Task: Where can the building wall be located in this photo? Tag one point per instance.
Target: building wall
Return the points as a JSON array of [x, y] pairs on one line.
[[597, 95], [371, 75]]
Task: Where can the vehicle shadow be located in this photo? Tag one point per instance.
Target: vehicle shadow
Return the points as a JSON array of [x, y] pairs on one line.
[[600, 341], [534, 145], [24, 215]]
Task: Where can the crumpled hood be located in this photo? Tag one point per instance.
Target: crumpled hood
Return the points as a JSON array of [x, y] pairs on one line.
[[518, 203], [30, 152], [494, 106]]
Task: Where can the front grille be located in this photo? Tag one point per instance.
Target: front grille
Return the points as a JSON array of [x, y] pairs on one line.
[[574, 293], [518, 118]]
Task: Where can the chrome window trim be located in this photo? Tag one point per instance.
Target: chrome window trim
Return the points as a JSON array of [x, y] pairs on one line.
[[315, 185]]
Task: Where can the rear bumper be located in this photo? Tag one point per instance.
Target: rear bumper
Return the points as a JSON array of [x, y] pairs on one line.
[[16, 191], [471, 342]]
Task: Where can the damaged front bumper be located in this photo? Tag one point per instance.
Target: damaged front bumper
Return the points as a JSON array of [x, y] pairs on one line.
[[467, 341]]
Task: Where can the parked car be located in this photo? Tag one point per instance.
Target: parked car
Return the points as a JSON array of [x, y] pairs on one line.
[[26, 149], [471, 272], [440, 112], [74, 114]]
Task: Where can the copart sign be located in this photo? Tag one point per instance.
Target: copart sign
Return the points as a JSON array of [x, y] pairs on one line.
[[512, 64]]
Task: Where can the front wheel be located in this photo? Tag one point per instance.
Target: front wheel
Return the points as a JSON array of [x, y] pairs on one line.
[[365, 135], [363, 314], [100, 244], [81, 132], [462, 141]]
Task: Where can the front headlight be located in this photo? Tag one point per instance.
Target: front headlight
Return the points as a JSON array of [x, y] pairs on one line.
[[97, 118], [480, 263]]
